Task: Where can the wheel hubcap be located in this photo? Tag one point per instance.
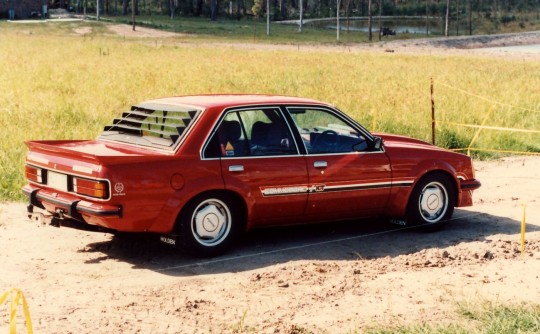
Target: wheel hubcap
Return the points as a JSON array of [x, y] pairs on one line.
[[211, 222], [433, 202]]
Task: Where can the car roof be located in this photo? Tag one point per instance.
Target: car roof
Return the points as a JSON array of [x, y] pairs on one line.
[[230, 100]]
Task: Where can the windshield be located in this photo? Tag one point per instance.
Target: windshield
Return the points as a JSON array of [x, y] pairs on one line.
[[151, 124]]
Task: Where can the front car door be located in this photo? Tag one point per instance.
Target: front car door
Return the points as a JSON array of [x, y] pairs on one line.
[[348, 176], [261, 161]]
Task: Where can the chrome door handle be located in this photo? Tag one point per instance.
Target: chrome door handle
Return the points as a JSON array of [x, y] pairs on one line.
[[320, 164], [236, 168]]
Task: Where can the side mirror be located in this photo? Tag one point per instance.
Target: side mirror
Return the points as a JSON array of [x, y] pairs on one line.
[[377, 143]]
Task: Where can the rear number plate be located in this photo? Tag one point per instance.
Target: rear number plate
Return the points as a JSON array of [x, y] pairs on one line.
[[57, 181]]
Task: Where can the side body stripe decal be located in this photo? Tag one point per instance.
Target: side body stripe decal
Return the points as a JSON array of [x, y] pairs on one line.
[[302, 189]]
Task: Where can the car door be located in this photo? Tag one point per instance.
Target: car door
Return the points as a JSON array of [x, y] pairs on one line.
[[347, 177], [261, 162]]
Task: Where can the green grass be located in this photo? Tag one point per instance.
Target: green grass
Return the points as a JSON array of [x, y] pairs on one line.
[[254, 29], [485, 318], [245, 30], [55, 84]]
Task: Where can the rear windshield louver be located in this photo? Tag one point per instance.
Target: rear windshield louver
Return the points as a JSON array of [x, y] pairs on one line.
[[151, 124]]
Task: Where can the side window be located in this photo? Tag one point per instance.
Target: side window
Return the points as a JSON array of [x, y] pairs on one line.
[[324, 132], [253, 132]]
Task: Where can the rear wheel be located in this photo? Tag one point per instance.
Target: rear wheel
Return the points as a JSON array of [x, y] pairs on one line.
[[209, 224], [432, 202]]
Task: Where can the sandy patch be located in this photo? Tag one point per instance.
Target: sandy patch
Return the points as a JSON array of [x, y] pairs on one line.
[[82, 30], [127, 31]]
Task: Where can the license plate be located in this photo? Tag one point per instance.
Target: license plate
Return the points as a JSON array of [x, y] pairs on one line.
[[57, 181]]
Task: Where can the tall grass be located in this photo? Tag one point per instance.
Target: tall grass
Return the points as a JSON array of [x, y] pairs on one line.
[[55, 84]]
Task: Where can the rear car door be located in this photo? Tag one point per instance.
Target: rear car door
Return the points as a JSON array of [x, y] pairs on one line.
[[348, 177], [261, 161]]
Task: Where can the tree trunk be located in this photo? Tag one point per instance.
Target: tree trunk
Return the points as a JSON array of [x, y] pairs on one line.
[[470, 17], [338, 28], [268, 17], [427, 17], [283, 8], [457, 17], [347, 13], [124, 7], [133, 5], [238, 15], [213, 10], [198, 10], [447, 15], [380, 23], [370, 34], [301, 23]]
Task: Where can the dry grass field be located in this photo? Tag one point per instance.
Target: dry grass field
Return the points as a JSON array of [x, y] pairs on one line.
[[66, 80]]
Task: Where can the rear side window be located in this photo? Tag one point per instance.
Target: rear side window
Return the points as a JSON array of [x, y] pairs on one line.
[[153, 125], [250, 133]]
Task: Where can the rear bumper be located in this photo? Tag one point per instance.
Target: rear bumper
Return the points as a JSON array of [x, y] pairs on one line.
[[70, 206]]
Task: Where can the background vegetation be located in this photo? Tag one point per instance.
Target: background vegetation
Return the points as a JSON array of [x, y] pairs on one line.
[[465, 17], [55, 84]]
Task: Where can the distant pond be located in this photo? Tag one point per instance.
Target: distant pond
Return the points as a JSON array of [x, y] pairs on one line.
[[400, 26]]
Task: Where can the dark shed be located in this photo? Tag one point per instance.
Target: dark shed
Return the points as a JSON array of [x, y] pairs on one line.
[[22, 9]]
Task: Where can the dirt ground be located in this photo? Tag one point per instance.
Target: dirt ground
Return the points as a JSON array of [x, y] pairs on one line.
[[330, 278]]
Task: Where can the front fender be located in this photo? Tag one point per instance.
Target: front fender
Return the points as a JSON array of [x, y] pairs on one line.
[[399, 196]]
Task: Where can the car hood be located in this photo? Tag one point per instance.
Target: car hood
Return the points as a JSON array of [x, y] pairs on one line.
[[406, 142]]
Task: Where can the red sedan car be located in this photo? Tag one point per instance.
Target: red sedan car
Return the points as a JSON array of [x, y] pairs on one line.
[[199, 170]]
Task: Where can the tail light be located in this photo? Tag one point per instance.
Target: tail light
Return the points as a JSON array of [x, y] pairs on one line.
[[92, 188], [35, 174]]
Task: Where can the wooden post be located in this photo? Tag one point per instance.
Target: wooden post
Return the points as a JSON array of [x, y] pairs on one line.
[[523, 224], [432, 114]]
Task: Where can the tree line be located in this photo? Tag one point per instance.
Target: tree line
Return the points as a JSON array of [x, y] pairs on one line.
[[289, 9]]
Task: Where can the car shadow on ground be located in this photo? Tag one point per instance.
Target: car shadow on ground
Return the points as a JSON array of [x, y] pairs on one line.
[[351, 240]]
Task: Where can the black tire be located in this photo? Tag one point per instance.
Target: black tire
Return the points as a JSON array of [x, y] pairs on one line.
[[209, 224], [432, 202]]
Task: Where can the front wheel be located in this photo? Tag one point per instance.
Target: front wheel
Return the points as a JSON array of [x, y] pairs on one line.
[[209, 224], [432, 202]]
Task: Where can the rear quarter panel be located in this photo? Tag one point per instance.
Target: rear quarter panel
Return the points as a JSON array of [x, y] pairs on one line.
[[153, 193], [156, 191]]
